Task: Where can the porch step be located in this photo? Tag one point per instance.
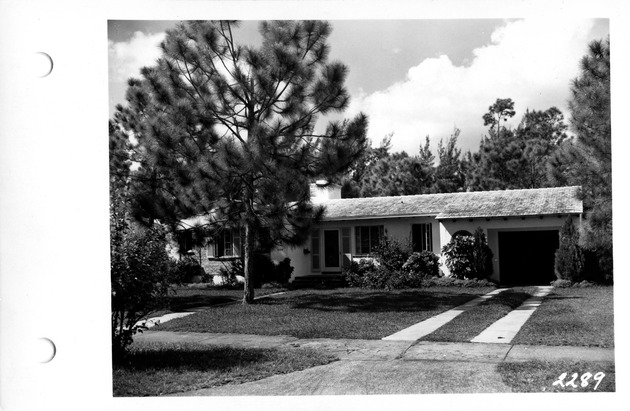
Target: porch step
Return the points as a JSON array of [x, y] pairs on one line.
[[319, 281]]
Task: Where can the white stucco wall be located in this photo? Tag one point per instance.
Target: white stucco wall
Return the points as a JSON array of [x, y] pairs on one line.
[[400, 228], [493, 226]]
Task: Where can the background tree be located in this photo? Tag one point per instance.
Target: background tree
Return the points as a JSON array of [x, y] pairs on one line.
[[398, 174], [352, 182], [449, 173], [586, 160], [540, 133], [497, 164], [502, 109], [517, 158], [233, 127]]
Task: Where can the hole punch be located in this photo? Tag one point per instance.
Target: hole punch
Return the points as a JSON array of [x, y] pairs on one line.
[[41, 64], [45, 350]]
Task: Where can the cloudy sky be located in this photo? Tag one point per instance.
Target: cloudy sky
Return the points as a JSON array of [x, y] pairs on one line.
[[415, 78]]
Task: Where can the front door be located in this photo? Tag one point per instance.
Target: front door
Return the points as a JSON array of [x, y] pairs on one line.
[[332, 253]]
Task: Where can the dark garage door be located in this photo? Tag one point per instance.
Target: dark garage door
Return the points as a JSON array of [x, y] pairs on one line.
[[527, 257]]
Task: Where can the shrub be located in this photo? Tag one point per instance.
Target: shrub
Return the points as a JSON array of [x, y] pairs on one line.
[[377, 278], [355, 273], [569, 259], [265, 271], [469, 256], [424, 263], [397, 279], [481, 256], [391, 253], [562, 283], [458, 254], [184, 270], [229, 272], [456, 282], [283, 271], [139, 278]]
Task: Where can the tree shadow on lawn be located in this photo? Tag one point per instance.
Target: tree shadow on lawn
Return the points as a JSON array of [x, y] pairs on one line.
[[188, 302], [375, 301], [182, 358]]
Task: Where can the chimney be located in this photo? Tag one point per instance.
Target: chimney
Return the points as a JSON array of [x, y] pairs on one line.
[[321, 191]]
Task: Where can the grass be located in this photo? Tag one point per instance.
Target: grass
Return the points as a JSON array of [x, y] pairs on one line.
[[572, 316], [157, 369], [340, 313], [539, 376], [184, 299], [471, 323]]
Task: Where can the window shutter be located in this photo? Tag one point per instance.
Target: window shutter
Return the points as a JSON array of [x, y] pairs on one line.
[[236, 237], [357, 240], [345, 246], [315, 253]]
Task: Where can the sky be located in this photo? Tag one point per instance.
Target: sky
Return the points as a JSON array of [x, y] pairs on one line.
[[417, 78]]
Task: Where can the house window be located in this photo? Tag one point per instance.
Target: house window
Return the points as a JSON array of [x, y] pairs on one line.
[[422, 237], [226, 244], [315, 252], [367, 238]]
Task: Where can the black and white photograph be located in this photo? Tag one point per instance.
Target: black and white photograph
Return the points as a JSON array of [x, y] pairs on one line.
[[312, 208]]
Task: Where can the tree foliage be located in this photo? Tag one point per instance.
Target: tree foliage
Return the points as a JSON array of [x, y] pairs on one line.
[[519, 158], [139, 264], [229, 130], [382, 173], [586, 160], [569, 258], [502, 109], [449, 173]]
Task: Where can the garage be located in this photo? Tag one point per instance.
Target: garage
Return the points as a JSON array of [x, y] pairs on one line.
[[527, 257]]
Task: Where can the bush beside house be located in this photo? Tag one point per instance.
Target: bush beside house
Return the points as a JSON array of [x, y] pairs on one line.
[[266, 271], [188, 270], [392, 266], [469, 256], [569, 259]]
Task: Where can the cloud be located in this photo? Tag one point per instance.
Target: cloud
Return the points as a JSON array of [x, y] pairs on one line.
[[530, 61], [128, 57]]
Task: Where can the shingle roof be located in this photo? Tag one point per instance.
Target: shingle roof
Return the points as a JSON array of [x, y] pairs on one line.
[[477, 204]]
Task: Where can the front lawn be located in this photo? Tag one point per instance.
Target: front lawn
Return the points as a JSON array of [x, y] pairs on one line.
[[572, 316], [340, 313], [471, 323], [186, 298], [154, 369], [540, 376]]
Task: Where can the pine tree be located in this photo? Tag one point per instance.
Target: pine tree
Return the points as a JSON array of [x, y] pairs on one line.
[[516, 158], [232, 128], [449, 174], [541, 133], [586, 161]]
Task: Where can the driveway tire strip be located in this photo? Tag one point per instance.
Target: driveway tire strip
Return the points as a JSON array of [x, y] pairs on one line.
[[419, 330], [505, 329]]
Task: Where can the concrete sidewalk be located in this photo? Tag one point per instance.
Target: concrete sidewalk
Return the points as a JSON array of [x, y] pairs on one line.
[[382, 367]]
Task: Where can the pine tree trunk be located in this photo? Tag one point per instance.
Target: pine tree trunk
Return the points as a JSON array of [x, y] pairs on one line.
[[248, 265]]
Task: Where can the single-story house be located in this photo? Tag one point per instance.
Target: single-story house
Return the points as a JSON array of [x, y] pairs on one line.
[[521, 227]]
